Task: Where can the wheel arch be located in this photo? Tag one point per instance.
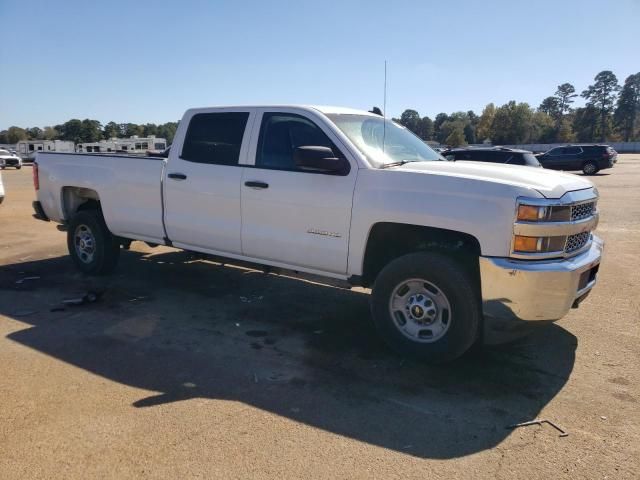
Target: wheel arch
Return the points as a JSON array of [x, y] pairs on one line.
[[388, 241], [75, 199]]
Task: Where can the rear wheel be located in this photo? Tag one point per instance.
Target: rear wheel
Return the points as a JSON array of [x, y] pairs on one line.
[[426, 306], [91, 245], [590, 168], [18, 167]]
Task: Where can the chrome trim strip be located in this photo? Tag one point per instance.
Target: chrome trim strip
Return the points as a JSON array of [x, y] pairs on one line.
[[557, 255], [556, 229], [575, 197]]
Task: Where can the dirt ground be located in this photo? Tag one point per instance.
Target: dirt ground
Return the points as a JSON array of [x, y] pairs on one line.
[[185, 368]]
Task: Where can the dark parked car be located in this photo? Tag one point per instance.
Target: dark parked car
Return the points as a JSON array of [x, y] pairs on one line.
[[493, 155], [588, 158]]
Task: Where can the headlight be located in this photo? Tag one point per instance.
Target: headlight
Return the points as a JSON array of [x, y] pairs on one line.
[[522, 244], [549, 213]]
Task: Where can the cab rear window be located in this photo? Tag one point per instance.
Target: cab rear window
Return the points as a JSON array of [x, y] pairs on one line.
[[215, 138]]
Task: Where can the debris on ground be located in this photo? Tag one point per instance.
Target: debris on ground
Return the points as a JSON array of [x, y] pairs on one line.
[[89, 297], [539, 421], [252, 299], [27, 279], [138, 298]]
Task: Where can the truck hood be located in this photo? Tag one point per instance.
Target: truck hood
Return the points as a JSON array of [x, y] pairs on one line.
[[549, 183]]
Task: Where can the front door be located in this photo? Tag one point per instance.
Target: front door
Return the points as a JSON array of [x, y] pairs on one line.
[[202, 181], [291, 216]]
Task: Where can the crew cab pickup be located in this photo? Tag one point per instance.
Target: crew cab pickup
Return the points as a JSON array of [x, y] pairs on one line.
[[450, 249]]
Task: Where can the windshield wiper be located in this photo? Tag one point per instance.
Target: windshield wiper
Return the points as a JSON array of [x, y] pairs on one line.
[[397, 164]]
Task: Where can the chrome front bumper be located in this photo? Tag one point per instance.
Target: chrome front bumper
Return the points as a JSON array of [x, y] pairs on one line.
[[523, 291]]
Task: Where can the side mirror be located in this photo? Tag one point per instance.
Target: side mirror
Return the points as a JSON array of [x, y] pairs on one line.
[[318, 159]]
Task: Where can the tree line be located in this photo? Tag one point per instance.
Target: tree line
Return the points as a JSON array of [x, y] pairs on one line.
[[611, 113], [88, 131]]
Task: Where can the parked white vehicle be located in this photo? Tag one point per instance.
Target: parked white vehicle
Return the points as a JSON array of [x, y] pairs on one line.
[[451, 249], [8, 159]]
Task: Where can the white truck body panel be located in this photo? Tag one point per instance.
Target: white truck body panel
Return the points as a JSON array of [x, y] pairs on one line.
[[309, 222], [128, 187]]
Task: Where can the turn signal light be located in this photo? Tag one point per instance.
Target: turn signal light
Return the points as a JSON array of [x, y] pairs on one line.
[[527, 244], [530, 213]]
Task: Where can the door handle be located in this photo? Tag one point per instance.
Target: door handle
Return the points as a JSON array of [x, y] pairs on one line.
[[177, 176], [253, 184]]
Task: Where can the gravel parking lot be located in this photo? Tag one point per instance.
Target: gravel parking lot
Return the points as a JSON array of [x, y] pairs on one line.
[[186, 368]]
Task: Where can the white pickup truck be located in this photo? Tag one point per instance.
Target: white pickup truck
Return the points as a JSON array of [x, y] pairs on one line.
[[450, 249]]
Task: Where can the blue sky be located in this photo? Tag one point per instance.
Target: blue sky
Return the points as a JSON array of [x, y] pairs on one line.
[[143, 61]]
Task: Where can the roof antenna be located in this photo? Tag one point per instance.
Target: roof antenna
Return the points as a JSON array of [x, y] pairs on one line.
[[384, 108]]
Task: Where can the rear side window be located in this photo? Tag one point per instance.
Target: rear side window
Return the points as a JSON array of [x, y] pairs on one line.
[[215, 138], [488, 156], [281, 134], [572, 150], [462, 156]]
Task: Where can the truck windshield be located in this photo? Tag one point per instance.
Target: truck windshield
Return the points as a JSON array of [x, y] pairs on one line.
[[384, 145]]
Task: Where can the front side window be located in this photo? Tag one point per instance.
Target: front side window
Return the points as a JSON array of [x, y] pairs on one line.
[[383, 141], [281, 134], [554, 152], [495, 157], [215, 138], [530, 160], [572, 150]]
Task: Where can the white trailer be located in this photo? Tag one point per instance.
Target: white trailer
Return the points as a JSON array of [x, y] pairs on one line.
[[131, 145], [27, 148]]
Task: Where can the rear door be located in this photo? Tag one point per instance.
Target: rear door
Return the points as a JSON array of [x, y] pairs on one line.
[[553, 159], [290, 216], [572, 158], [202, 180]]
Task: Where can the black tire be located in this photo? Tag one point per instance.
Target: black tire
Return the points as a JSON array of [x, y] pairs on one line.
[[105, 251], [18, 167], [590, 168], [458, 286]]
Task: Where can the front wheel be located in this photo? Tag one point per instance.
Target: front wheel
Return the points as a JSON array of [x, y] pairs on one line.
[[590, 168], [91, 245], [426, 306], [18, 167]]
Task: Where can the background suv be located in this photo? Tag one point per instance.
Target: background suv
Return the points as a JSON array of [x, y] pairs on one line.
[[588, 158], [493, 155]]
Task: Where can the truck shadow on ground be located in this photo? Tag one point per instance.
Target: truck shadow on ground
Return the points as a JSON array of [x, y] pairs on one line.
[[184, 328]]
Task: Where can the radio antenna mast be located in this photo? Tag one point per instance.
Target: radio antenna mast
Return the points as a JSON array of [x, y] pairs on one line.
[[384, 107]]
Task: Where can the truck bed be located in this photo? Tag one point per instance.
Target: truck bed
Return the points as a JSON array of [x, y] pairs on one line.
[[128, 187]]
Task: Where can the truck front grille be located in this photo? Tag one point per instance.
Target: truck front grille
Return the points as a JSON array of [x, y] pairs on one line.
[[582, 210], [577, 241]]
